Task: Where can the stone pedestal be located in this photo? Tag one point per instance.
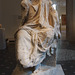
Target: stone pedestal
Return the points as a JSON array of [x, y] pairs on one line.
[[50, 60], [42, 70]]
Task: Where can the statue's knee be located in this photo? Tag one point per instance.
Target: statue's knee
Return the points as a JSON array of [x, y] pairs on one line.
[[21, 33]]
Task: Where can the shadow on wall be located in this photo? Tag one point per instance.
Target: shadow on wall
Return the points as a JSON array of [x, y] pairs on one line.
[[10, 16]]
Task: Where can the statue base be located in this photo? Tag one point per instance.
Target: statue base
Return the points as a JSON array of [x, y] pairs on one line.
[[42, 70]]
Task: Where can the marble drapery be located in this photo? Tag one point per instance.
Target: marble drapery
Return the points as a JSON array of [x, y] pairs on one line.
[[40, 26]]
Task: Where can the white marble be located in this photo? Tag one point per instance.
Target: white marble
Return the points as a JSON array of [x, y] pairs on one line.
[[36, 35]]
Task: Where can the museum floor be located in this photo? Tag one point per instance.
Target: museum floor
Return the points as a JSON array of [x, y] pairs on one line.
[[8, 60]]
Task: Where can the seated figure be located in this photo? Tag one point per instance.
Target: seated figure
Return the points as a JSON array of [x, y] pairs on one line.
[[38, 32]]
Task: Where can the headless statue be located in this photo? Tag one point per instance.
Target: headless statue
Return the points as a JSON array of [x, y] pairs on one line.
[[38, 32]]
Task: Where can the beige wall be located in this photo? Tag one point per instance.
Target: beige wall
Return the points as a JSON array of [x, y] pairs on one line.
[[71, 20], [61, 6], [74, 18], [61, 10], [0, 11], [10, 13]]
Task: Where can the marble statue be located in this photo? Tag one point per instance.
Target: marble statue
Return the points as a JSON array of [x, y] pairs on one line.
[[39, 31]]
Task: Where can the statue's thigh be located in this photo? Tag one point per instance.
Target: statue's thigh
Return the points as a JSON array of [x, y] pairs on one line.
[[23, 39], [23, 46]]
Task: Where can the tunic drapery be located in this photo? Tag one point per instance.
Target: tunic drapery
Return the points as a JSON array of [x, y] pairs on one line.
[[34, 38]]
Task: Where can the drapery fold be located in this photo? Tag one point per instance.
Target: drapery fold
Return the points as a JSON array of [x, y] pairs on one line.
[[36, 35]]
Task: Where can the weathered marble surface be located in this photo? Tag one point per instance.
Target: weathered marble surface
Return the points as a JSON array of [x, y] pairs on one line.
[[39, 32]]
